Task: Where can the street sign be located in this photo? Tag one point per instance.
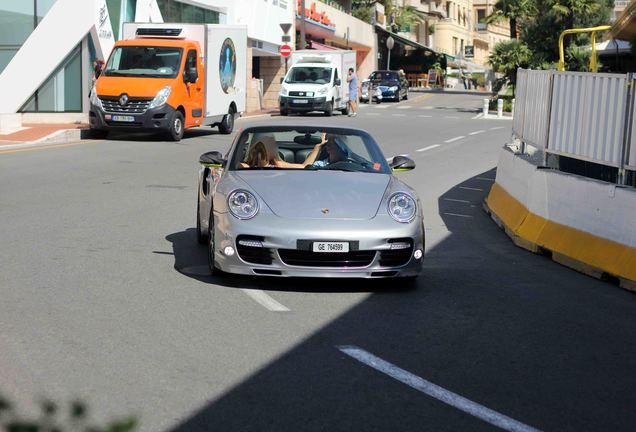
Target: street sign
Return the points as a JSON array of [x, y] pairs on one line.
[[285, 50], [285, 27], [285, 38], [469, 51]]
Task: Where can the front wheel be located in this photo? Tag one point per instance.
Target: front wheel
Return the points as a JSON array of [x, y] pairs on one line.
[[175, 133], [406, 95], [227, 124], [329, 110], [202, 237], [214, 270], [284, 112], [345, 111]]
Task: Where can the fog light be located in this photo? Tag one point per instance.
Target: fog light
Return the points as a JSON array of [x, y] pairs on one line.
[[228, 251], [417, 254], [400, 245], [251, 243]]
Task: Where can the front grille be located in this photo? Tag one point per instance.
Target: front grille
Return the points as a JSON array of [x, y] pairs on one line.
[[396, 257], [301, 93], [251, 254], [305, 258], [134, 106]]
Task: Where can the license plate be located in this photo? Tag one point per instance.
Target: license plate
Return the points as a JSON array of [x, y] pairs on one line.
[[300, 101], [338, 247], [123, 118]]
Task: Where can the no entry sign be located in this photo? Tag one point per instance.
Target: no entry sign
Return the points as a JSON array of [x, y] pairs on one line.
[[285, 50]]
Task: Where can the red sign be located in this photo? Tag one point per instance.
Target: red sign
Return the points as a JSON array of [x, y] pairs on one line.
[[285, 50], [312, 14]]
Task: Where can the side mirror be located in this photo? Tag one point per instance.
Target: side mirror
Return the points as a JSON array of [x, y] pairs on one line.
[[212, 159], [337, 82], [97, 70], [190, 75], [401, 163], [282, 79]]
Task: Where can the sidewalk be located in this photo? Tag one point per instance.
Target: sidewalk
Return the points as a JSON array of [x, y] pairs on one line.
[[261, 113], [44, 134]]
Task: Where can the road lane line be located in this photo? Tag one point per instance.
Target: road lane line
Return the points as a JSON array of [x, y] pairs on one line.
[[451, 117], [264, 300], [469, 188], [427, 148], [398, 115], [381, 106], [404, 107], [457, 200], [455, 139], [477, 132], [34, 147], [433, 390], [373, 114], [498, 127], [457, 214], [424, 116]]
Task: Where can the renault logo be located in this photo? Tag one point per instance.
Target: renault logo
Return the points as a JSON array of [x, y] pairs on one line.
[[123, 99], [324, 211]]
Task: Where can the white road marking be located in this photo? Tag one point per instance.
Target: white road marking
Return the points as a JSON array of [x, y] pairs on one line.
[[427, 148], [469, 188], [404, 107], [480, 115], [455, 139], [451, 117], [264, 300], [381, 106], [422, 115], [398, 115], [426, 107], [477, 132], [373, 114], [498, 127], [433, 390], [485, 178], [457, 200], [457, 214]]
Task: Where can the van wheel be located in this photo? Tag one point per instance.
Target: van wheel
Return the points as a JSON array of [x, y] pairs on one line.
[[283, 112], [227, 124], [329, 110], [175, 133], [345, 111]]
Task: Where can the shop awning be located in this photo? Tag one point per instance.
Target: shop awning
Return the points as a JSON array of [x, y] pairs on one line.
[[403, 40], [318, 46]]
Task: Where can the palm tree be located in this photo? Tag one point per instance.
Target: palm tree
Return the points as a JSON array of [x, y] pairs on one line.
[[507, 57], [512, 10]]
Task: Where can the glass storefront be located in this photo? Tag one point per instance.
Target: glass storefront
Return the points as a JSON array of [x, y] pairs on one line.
[[119, 12], [175, 12]]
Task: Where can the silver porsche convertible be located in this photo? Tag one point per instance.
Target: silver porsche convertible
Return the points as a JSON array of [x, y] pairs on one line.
[[308, 201]]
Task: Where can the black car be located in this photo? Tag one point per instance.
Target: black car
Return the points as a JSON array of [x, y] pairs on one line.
[[392, 84]]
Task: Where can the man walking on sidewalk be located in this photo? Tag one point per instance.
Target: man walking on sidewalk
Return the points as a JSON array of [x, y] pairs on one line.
[[352, 79]]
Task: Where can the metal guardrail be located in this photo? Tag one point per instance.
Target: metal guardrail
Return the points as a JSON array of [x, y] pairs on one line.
[[585, 116]]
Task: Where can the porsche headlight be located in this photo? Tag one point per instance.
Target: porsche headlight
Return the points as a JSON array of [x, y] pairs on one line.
[[95, 99], [323, 90], [161, 98], [394, 89], [242, 204], [402, 207]]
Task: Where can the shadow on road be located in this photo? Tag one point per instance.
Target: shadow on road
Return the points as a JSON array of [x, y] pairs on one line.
[[507, 329]]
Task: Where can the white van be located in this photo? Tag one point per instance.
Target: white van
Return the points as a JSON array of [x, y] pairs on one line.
[[317, 81]]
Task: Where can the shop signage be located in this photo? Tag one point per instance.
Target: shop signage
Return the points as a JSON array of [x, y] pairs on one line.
[[469, 51], [312, 14]]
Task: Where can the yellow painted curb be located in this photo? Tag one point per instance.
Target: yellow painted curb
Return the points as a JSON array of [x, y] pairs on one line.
[[574, 248]]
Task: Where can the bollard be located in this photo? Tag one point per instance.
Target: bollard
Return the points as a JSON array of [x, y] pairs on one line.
[[513, 109], [499, 108], [486, 101]]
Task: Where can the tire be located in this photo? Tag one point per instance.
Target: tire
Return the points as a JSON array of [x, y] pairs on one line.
[[175, 133], [329, 111], [345, 111], [99, 133], [284, 113], [406, 95], [202, 237], [227, 124], [214, 270]]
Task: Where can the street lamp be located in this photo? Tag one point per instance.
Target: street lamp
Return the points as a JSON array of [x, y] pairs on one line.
[[390, 42]]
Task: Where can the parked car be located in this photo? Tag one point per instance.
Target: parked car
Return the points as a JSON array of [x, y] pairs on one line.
[[369, 92], [392, 84], [343, 215]]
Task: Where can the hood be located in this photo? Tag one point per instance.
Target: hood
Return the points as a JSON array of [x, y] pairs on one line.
[[135, 87], [302, 194], [386, 82]]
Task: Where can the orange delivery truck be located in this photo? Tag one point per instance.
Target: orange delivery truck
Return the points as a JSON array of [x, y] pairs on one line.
[[170, 77]]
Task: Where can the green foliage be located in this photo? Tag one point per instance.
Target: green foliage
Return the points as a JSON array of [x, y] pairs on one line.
[[507, 103], [512, 10], [507, 57], [431, 29], [54, 418], [363, 13]]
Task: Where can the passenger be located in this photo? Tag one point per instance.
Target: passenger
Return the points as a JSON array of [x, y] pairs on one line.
[[337, 151], [264, 154]]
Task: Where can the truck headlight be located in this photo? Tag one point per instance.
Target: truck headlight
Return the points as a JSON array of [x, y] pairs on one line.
[[394, 89], [242, 204], [95, 99], [161, 98], [323, 90], [402, 207]]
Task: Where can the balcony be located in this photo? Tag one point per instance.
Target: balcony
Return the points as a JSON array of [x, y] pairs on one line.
[[481, 27]]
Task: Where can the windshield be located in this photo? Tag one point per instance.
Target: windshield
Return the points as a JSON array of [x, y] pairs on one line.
[[384, 76], [308, 74], [144, 61], [293, 148]]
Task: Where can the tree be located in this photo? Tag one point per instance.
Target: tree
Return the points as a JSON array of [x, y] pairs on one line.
[[507, 57], [407, 17], [513, 10]]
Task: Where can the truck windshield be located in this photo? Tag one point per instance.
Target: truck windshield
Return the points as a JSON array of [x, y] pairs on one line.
[[309, 75], [144, 61]]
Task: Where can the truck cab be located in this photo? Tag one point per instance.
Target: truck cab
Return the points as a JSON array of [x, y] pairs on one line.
[[158, 80]]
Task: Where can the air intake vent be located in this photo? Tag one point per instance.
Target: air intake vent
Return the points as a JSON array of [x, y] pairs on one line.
[[161, 32]]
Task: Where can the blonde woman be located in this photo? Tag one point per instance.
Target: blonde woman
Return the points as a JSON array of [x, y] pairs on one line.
[[264, 154]]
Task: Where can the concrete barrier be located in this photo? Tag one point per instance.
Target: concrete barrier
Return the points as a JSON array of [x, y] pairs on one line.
[[582, 223]]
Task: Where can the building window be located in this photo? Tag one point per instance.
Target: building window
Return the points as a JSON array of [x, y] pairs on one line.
[[448, 10], [454, 45], [481, 19], [174, 12]]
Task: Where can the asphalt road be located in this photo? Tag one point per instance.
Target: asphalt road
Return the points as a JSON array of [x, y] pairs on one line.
[[106, 297]]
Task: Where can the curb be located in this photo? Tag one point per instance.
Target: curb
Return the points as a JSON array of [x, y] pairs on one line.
[[544, 237], [62, 136]]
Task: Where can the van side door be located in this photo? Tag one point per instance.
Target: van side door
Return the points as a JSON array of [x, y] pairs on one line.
[[194, 90]]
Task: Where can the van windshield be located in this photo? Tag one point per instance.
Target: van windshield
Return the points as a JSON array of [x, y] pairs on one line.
[[309, 75], [144, 61]]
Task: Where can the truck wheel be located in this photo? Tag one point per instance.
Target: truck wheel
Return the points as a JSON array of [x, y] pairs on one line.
[[227, 124], [329, 110], [175, 133]]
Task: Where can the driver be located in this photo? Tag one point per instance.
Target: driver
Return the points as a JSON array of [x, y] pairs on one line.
[[337, 151]]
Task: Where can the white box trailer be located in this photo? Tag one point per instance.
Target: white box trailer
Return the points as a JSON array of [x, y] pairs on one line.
[[317, 81], [176, 76]]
